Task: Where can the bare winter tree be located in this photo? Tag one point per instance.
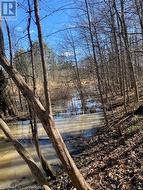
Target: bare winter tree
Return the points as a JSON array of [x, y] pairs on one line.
[[72, 45], [95, 59], [47, 168], [45, 116], [124, 34]]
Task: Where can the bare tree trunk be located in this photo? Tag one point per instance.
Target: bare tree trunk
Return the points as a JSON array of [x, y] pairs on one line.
[[60, 147], [139, 10], [20, 100], [2, 48], [95, 61], [10, 43], [24, 154], [46, 167], [48, 124], [11, 63], [113, 26], [123, 65], [125, 39], [45, 74], [79, 84]]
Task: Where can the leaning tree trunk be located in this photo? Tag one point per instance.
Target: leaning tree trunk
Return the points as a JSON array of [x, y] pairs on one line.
[[10, 43], [60, 147], [24, 154], [48, 124]]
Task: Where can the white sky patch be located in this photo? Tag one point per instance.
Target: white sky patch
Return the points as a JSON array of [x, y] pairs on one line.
[[67, 53]]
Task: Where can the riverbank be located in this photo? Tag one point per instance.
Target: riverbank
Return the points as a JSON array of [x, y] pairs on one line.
[[110, 161], [107, 160]]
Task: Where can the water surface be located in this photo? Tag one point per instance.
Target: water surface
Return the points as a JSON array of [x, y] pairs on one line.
[[13, 168]]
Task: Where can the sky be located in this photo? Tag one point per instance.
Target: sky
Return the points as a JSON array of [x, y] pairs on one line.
[[55, 21]]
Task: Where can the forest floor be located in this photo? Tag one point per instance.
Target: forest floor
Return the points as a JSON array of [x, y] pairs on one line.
[[110, 161]]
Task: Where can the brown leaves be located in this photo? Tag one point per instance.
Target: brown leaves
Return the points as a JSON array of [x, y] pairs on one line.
[[110, 165]]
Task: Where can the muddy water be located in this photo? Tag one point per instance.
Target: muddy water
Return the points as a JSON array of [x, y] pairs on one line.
[[13, 169]]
